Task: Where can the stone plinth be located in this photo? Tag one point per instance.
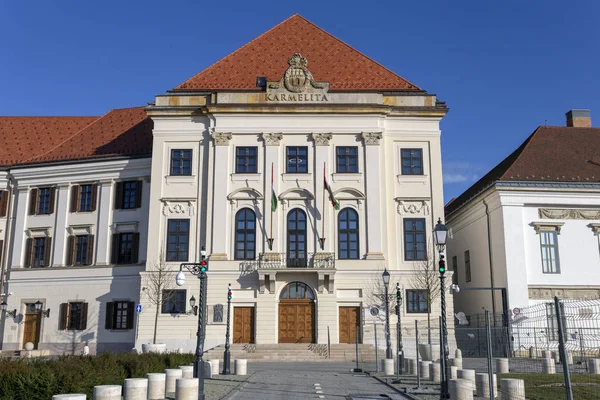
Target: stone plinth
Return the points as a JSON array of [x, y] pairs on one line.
[[482, 385], [460, 389], [594, 365], [502, 365], [532, 352], [135, 389], [156, 386], [548, 366], [186, 389], [512, 389], [435, 372], [467, 374], [546, 354], [387, 365], [107, 392], [456, 362], [424, 369], [172, 376], [69, 397], [556, 356], [241, 367], [187, 371], [453, 372], [214, 367]]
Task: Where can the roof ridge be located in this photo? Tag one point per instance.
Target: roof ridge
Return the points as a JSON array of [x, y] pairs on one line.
[[49, 116], [523, 147]]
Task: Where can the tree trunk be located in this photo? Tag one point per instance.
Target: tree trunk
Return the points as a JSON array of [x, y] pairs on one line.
[[155, 324], [429, 328]]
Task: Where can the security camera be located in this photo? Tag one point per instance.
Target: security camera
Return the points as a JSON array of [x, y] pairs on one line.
[[442, 255], [454, 287]]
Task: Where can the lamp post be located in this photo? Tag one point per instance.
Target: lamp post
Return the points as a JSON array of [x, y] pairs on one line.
[[400, 355], [193, 305], [227, 355], [10, 313], [199, 270], [388, 341], [38, 308], [440, 234]]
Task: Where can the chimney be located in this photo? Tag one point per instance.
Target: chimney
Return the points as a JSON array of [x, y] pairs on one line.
[[579, 119]]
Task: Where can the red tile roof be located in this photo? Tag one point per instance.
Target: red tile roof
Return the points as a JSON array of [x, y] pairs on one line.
[[329, 60], [22, 138], [550, 154]]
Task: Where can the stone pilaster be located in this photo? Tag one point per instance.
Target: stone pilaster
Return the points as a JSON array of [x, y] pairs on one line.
[[272, 142], [59, 240], [374, 187], [220, 237], [326, 214]]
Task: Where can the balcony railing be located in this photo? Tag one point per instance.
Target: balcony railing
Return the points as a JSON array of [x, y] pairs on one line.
[[292, 260]]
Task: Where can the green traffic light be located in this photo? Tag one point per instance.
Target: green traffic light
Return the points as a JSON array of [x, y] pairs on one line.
[[442, 266]]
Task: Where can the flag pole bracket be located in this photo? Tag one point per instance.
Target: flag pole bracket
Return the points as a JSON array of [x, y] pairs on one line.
[[270, 240], [322, 240]]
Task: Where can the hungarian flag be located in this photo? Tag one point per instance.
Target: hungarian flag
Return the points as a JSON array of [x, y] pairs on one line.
[[332, 199], [273, 196]]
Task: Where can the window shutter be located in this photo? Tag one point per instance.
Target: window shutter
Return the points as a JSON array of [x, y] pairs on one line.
[[136, 248], [110, 308], [114, 259], [75, 198], [138, 194], [71, 250], [52, 200], [28, 252], [119, 196], [62, 316], [94, 197], [130, 313], [3, 203], [89, 257], [83, 320], [47, 251], [33, 199]]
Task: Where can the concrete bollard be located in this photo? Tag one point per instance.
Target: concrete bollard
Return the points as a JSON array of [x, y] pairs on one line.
[[502, 365], [435, 372], [457, 353], [453, 372], [468, 375], [207, 368], [457, 362], [187, 371], [556, 356], [241, 367], [532, 352], [512, 389], [107, 392], [569, 358], [424, 369], [482, 385], [135, 389], [186, 389], [156, 386], [460, 389], [412, 366], [172, 376], [69, 397], [546, 354], [387, 365], [548, 366], [214, 366], [594, 365]]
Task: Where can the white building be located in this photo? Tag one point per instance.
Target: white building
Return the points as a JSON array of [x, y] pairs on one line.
[[531, 224], [292, 107]]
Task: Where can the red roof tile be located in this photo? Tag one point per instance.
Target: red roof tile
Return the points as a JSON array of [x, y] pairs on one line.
[[329, 60], [22, 138], [126, 131]]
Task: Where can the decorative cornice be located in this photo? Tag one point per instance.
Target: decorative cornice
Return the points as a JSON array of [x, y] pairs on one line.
[[221, 138], [371, 138], [595, 227], [321, 139], [272, 139], [547, 226], [412, 207], [559, 213]]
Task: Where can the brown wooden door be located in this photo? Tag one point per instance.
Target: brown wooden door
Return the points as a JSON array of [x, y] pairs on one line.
[[32, 329], [296, 322], [349, 321], [243, 324]]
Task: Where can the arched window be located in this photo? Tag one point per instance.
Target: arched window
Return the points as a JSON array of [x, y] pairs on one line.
[[348, 234], [297, 291], [296, 238], [245, 234]]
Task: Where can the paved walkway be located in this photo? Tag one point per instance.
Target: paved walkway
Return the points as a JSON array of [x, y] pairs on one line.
[[294, 381]]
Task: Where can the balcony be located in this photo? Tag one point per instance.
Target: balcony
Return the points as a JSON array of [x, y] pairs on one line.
[[279, 261]]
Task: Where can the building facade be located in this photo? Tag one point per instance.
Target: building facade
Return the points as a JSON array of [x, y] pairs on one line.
[[303, 168]]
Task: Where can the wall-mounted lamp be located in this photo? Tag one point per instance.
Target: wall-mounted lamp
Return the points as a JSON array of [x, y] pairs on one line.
[[38, 308], [10, 313], [193, 305]]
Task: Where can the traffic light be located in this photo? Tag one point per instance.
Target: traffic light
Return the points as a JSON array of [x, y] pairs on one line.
[[442, 266], [203, 263], [229, 294]]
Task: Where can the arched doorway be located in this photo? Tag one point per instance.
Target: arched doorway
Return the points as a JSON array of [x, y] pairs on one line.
[[297, 314]]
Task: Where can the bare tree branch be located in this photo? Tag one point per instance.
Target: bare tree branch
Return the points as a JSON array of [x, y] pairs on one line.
[[426, 277]]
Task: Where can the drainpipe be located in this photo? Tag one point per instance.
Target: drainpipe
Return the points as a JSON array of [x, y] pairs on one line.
[[489, 235], [7, 235]]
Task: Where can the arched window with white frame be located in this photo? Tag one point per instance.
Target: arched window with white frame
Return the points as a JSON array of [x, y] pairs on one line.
[[245, 234], [348, 239]]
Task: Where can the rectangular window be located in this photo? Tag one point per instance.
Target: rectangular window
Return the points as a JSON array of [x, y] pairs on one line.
[[75, 320], [414, 239], [455, 270], [412, 161], [468, 266], [346, 159], [173, 301], [85, 198], [178, 236], [129, 194], [297, 159], [125, 248], [121, 315], [43, 201], [39, 252], [552, 321], [81, 250], [181, 162], [549, 247], [246, 160], [416, 301]]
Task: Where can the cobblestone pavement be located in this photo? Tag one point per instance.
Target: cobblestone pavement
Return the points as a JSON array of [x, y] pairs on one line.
[[294, 381]]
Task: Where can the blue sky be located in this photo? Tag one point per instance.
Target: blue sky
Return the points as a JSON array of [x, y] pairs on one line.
[[503, 67]]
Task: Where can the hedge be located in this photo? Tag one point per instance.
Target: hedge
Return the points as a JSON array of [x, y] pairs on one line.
[[40, 379]]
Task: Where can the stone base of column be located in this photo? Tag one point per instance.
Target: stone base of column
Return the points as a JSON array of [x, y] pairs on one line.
[[460, 389]]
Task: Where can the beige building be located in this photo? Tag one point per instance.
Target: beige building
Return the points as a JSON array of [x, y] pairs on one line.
[[239, 159]]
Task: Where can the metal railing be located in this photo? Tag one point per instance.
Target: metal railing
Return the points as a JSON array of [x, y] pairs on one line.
[[292, 260]]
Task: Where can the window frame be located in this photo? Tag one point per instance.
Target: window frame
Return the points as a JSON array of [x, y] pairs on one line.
[[409, 301], [348, 231], [347, 158], [414, 232], [411, 157], [165, 302], [455, 270], [81, 255], [179, 234], [120, 257], [296, 156], [46, 204], [554, 267], [180, 170], [246, 157], [85, 204], [70, 325], [36, 262], [468, 276], [245, 231], [129, 195], [124, 318]]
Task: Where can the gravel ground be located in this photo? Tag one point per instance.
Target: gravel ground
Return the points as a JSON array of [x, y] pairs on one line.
[[408, 384], [220, 385]]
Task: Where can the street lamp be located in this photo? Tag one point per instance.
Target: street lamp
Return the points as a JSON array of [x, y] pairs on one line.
[[440, 234], [388, 341], [193, 305], [38, 308], [400, 355], [227, 355], [199, 270], [10, 313]]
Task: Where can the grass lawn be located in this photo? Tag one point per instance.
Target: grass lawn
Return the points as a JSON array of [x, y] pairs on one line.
[[551, 387]]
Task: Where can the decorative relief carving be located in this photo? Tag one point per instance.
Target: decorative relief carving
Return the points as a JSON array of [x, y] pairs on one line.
[[555, 213], [371, 138], [322, 139], [178, 208], [547, 226], [541, 293], [272, 139], [413, 207], [221, 138]]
